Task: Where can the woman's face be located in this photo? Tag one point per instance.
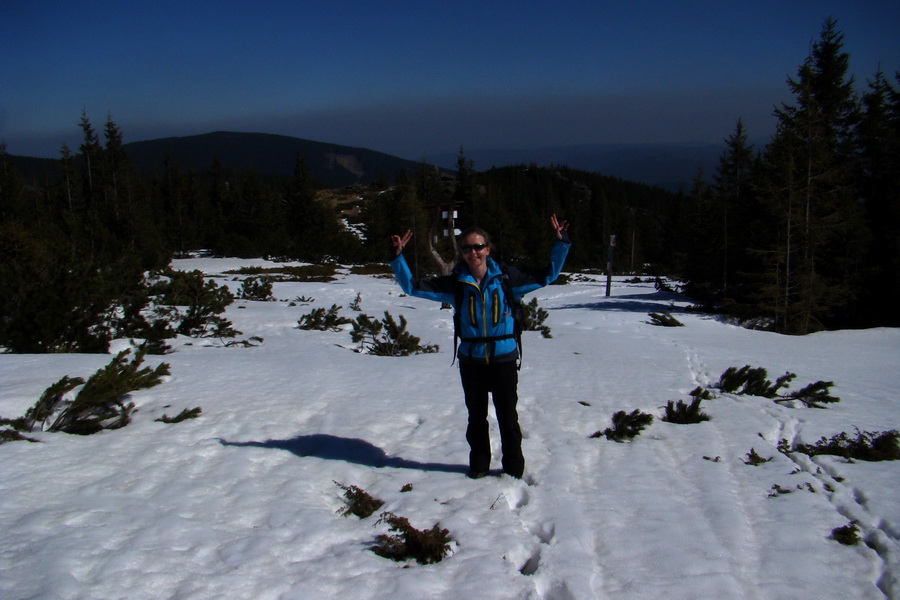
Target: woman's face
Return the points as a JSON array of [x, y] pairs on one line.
[[474, 257]]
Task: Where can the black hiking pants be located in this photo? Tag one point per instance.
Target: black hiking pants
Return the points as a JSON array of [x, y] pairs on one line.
[[501, 381]]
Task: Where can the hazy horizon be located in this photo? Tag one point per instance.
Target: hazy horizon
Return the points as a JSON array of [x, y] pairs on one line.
[[415, 80]]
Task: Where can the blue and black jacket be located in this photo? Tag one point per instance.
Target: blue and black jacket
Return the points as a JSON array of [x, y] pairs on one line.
[[486, 327]]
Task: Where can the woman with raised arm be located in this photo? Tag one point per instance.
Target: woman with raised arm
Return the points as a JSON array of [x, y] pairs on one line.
[[483, 293]]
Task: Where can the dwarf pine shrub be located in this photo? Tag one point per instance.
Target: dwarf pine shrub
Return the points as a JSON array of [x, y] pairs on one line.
[[258, 289], [847, 535], [869, 446], [387, 337], [533, 318], [777, 490], [685, 414], [155, 335], [321, 272], [755, 382], [359, 502], [184, 415], [701, 393], [321, 320], [662, 285], [204, 302], [625, 425], [100, 404], [752, 381], [356, 305], [815, 395], [664, 319], [12, 434], [425, 546], [753, 459], [134, 319], [377, 269], [252, 342], [50, 401]]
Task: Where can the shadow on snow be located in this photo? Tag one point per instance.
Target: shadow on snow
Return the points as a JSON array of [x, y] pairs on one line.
[[644, 303], [351, 450]]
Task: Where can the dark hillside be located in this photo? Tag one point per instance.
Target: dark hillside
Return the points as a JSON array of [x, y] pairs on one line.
[[331, 165], [669, 166], [36, 171]]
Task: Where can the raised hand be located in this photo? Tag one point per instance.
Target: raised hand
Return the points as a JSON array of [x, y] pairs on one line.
[[399, 242], [558, 227]]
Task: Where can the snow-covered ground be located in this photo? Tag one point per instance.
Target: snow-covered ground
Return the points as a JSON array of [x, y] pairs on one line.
[[242, 502]]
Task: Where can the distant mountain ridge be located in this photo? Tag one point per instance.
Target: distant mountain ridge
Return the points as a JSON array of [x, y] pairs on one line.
[[669, 166], [331, 165]]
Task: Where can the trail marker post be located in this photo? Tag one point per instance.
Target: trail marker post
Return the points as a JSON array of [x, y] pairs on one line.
[[609, 263]]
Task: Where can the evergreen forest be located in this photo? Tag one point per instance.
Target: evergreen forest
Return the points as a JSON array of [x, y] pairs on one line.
[[801, 235]]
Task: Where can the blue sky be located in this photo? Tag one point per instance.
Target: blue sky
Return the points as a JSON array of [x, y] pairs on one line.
[[414, 78]]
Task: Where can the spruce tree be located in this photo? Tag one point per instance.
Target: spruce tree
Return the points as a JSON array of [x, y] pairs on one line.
[[809, 189], [70, 183], [396, 210], [10, 187], [879, 136], [93, 193], [312, 227], [72, 259], [702, 243], [464, 194], [116, 165], [738, 211]]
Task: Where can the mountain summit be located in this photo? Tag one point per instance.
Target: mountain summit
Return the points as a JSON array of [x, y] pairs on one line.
[[331, 165]]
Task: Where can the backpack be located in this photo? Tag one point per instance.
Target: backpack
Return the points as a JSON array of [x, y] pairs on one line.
[[515, 309]]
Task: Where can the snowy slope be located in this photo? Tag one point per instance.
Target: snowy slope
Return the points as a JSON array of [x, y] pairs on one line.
[[242, 502]]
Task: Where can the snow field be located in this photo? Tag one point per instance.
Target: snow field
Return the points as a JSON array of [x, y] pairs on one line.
[[241, 502]]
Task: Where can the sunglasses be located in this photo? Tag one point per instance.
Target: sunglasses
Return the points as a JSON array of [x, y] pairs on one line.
[[475, 247]]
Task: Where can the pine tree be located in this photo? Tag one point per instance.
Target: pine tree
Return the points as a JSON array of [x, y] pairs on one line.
[[396, 210], [92, 153], [739, 213], [464, 195], [312, 227], [879, 134], [425, 204], [173, 190], [70, 261], [70, 182], [116, 165], [810, 192], [18, 201], [702, 242], [217, 192]]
